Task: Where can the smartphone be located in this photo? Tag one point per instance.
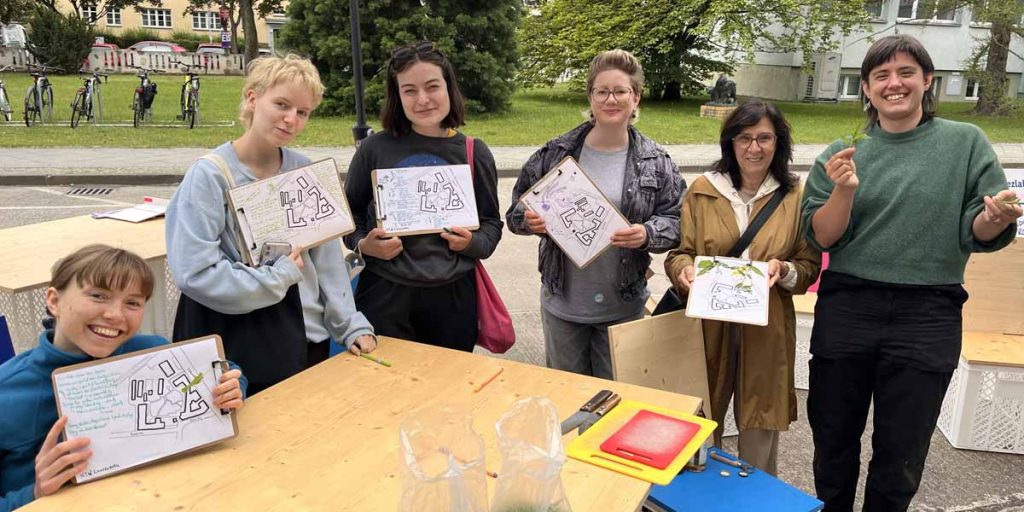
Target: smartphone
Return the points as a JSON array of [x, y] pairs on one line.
[[271, 251]]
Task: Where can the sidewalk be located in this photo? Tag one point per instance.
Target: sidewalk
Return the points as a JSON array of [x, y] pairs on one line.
[[128, 166]]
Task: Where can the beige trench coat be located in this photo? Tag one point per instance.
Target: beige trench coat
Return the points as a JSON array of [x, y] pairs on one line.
[[765, 390]]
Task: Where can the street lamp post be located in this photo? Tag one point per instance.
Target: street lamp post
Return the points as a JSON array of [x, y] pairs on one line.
[[361, 130]]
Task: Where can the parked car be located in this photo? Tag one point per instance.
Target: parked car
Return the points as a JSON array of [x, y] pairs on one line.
[[12, 35], [157, 47], [211, 49], [105, 47]]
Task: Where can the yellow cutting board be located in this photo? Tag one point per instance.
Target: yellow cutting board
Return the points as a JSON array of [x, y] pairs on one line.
[[587, 447]]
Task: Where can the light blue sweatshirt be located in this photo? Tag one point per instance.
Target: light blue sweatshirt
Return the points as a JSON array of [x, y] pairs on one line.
[[207, 266]]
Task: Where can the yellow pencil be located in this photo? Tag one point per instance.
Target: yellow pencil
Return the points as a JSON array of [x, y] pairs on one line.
[[376, 360]]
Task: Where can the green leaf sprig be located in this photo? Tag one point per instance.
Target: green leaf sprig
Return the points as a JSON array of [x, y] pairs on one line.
[[195, 382], [744, 271], [854, 137]]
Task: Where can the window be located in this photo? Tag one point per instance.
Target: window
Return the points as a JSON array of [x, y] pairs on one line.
[[849, 86], [206, 20], [156, 18], [924, 10], [973, 89], [936, 86], [89, 13], [113, 17], [874, 8]]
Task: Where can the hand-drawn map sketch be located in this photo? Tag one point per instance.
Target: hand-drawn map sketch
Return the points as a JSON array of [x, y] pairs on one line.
[[304, 207], [729, 289], [143, 406], [417, 200], [577, 216]]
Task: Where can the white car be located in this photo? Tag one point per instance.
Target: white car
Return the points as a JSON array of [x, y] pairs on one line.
[[12, 35]]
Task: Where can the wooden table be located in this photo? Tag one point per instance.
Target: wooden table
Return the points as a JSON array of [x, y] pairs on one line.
[[29, 252], [327, 439]]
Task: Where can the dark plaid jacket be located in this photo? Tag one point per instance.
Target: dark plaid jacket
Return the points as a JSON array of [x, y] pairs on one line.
[[652, 195]]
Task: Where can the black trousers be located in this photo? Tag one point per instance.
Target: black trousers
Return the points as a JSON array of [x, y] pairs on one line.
[[893, 346], [316, 353], [443, 316]]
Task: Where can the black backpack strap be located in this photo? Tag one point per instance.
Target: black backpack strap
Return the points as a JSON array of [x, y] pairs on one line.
[[755, 225]]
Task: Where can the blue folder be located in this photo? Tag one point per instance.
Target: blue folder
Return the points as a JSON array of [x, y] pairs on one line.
[[709, 491]]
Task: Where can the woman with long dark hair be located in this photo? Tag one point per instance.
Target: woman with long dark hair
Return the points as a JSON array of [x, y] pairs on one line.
[[422, 287]]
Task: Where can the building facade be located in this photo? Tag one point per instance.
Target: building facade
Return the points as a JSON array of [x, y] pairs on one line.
[[171, 17], [950, 38]]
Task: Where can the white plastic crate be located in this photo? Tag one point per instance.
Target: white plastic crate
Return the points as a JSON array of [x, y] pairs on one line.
[[984, 408]]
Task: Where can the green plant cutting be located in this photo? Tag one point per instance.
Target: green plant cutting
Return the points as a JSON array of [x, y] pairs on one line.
[[195, 382], [744, 271]]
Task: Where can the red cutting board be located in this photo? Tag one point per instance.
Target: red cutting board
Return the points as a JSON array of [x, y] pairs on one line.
[[651, 439]]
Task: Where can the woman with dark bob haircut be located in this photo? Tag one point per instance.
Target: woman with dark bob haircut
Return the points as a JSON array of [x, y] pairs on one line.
[[422, 287], [753, 362]]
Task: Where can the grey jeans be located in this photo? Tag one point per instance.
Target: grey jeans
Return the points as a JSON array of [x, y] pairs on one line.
[[577, 347]]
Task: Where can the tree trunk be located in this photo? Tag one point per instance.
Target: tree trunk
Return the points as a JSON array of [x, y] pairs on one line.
[[672, 91], [252, 39], [993, 91], [234, 33]]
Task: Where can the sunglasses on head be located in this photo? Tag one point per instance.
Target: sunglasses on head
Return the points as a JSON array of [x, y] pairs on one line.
[[420, 48]]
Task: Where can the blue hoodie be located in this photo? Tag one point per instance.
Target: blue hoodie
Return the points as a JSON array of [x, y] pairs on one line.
[[30, 410]]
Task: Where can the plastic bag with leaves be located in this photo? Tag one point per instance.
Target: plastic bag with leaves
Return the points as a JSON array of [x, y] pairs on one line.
[[442, 461], [530, 478]]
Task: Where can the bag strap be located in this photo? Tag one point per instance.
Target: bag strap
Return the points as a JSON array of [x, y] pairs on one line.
[[469, 155], [755, 225], [222, 165]]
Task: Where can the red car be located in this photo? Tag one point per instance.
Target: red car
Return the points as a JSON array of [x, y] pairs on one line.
[[156, 47]]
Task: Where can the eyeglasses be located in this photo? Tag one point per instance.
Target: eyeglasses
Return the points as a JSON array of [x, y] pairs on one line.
[[601, 95], [420, 48], [765, 140]]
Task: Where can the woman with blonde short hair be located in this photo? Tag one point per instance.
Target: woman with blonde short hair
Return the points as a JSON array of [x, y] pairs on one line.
[[276, 317]]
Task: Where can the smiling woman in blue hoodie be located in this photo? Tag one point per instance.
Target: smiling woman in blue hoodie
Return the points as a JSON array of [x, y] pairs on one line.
[[97, 296], [303, 299]]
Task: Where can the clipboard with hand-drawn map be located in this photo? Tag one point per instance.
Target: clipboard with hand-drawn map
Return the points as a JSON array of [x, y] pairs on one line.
[[144, 406], [577, 215], [421, 200], [304, 207]]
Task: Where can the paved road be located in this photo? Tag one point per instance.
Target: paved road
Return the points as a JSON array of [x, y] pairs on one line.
[[955, 480], [63, 166]]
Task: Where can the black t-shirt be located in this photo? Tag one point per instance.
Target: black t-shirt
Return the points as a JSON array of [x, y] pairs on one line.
[[425, 260]]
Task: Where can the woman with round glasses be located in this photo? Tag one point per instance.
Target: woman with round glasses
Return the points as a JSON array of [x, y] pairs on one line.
[[753, 363], [637, 175], [422, 287]]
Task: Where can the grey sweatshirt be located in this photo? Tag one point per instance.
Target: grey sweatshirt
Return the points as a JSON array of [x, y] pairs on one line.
[[207, 266]]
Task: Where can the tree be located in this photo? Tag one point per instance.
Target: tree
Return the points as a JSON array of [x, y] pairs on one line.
[[477, 35], [15, 10], [680, 43], [58, 39], [238, 17], [989, 59]]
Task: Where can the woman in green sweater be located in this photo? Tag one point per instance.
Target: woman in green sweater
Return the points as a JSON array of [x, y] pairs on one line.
[[899, 214]]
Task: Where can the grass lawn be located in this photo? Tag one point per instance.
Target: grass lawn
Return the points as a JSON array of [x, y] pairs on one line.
[[536, 116]]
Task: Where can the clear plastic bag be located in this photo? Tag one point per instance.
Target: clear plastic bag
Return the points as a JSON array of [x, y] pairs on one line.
[[530, 478], [442, 461]]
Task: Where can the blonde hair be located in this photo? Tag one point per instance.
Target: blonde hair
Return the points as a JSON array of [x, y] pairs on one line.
[[107, 267], [620, 60], [265, 73]]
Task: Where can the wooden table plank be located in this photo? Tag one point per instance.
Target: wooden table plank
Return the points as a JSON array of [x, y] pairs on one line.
[[327, 439], [993, 348], [29, 251]]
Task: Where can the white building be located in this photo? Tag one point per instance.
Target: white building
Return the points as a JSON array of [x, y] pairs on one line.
[[950, 38]]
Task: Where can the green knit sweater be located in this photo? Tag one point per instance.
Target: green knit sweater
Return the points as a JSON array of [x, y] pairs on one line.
[[913, 211]]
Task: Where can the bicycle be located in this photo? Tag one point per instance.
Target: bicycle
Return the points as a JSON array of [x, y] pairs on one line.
[[5, 99], [142, 102], [88, 98], [39, 96], [189, 95]]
